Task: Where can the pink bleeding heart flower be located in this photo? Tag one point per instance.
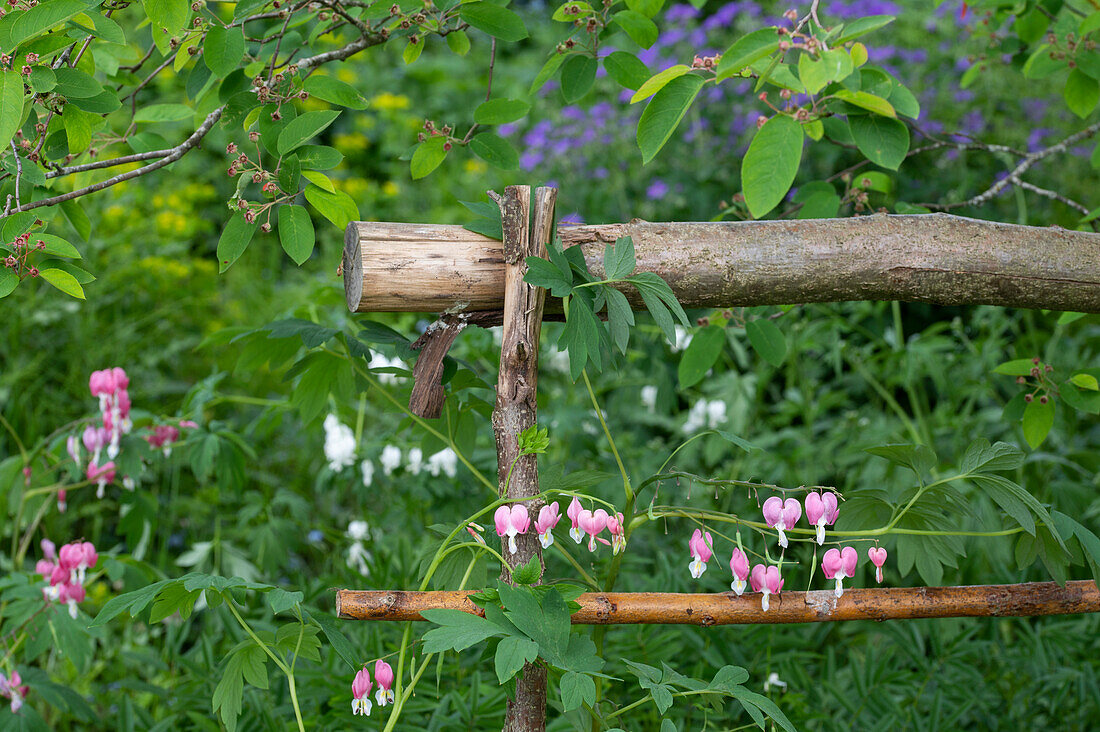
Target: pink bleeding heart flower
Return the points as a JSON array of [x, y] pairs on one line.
[[95, 439], [122, 381], [739, 565], [573, 512], [821, 511], [877, 555], [72, 445], [839, 565], [701, 546], [616, 526], [101, 383], [383, 674], [45, 568], [360, 690], [511, 522], [549, 515], [592, 523], [767, 582], [101, 475], [62, 500], [782, 515], [71, 594], [13, 688], [162, 437], [49, 549]]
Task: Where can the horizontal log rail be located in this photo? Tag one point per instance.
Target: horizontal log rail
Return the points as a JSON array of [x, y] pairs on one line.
[[879, 603], [935, 258]]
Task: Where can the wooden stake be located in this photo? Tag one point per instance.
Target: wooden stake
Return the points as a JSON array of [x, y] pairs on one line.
[[516, 406], [936, 258], [879, 603]]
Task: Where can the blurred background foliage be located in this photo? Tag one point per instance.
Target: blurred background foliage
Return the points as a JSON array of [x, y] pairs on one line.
[[857, 375]]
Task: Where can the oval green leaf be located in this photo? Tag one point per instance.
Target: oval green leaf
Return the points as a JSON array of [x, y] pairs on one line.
[[501, 111], [296, 232], [498, 22], [767, 340], [746, 50], [577, 76], [495, 150], [663, 113], [334, 91], [63, 281], [771, 163], [223, 49], [303, 128], [883, 140]]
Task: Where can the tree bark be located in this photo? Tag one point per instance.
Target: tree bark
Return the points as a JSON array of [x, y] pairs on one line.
[[877, 603], [935, 258], [516, 407]]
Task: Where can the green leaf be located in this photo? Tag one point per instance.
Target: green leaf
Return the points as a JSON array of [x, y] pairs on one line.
[[1085, 381], [76, 83], [303, 128], [542, 273], [320, 180], [767, 340], [495, 150], [771, 164], [336, 638], [728, 678], [8, 281], [223, 49], [648, 8], [1016, 367], [663, 114], [458, 630], [296, 232], [620, 319], [63, 281], [334, 91], [883, 140], [862, 26], [458, 42], [55, 246], [235, 238], [501, 111], [918, 458], [498, 22], [577, 76], [280, 600], [429, 154], [746, 50], [512, 653], [164, 113], [576, 690], [816, 74], [626, 69], [229, 692], [904, 102], [319, 157], [641, 29], [981, 457], [547, 70], [41, 80], [336, 206], [11, 106], [658, 81], [42, 17], [413, 49], [701, 354], [766, 705], [1081, 92], [619, 260], [867, 101], [1038, 419], [1013, 500], [528, 574], [170, 15]]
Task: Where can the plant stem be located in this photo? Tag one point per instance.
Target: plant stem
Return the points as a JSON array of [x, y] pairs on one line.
[[232, 605]]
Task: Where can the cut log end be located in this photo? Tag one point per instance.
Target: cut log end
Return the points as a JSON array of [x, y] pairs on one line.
[[353, 267]]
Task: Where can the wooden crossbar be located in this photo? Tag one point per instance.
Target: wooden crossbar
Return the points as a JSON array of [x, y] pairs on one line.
[[878, 603]]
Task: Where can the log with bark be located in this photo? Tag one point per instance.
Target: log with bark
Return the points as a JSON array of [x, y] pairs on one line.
[[935, 258], [877, 603]]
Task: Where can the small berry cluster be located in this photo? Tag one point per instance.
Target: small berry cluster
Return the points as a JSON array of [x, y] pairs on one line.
[[430, 130], [21, 249], [1041, 384], [242, 163]]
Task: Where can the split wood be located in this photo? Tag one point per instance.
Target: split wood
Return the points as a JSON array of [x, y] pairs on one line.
[[516, 405], [935, 258], [879, 603]]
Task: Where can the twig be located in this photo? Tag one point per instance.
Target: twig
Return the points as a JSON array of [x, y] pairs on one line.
[[1014, 175], [1050, 194], [177, 152], [18, 175]]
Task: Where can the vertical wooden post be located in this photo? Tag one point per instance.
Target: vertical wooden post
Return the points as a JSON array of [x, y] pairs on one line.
[[516, 406]]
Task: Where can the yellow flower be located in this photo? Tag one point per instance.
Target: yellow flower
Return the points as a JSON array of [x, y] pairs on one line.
[[475, 166], [385, 100], [389, 188]]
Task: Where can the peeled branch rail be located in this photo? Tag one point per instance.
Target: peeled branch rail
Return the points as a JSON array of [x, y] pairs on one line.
[[880, 603], [934, 258]]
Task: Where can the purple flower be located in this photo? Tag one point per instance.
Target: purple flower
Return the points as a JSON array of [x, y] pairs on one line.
[[657, 189]]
